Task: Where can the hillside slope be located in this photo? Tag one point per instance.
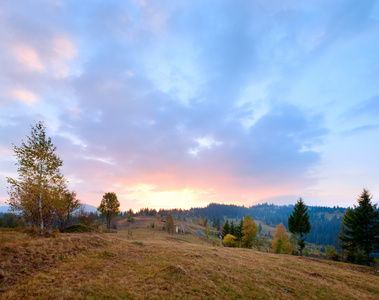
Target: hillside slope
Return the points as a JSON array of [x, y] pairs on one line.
[[150, 264]]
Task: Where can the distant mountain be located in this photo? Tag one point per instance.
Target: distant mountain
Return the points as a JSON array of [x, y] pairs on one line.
[[89, 208], [4, 208]]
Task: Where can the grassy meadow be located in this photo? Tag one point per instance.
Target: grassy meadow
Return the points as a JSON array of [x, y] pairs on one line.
[[148, 263]]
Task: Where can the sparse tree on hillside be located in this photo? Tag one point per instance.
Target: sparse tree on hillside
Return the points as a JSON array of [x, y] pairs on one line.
[[298, 223], [109, 207], [361, 227], [170, 224], [40, 186], [281, 242], [249, 232]]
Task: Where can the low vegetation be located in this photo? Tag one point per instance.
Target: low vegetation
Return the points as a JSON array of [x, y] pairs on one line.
[[141, 262]]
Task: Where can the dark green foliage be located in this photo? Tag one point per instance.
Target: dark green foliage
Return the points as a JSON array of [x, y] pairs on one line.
[[78, 228], [360, 234], [138, 243], [232, 229], [238, 230], [225, 229], [9, 220], [298, 223]]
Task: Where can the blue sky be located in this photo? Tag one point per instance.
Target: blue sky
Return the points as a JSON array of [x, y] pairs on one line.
[[182, 103]]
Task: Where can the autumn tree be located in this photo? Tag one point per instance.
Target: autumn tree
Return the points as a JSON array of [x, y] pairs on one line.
[[37, 192], [170, 227], [281, 242], [109, 207], [66, 204], [361, 227], [249, 232], [229, 240]]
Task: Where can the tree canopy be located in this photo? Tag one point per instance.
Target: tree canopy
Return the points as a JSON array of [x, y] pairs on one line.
[[109, 207], [281, 242], [40, 194], [249, 232], [298, 223]]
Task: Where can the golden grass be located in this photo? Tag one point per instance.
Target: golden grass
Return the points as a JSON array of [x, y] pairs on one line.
[[162, 266]]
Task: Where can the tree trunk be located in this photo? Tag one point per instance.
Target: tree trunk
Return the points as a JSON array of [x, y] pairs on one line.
[[40, 204]]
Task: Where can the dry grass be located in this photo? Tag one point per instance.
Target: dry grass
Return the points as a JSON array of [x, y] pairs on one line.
[[154, 265]]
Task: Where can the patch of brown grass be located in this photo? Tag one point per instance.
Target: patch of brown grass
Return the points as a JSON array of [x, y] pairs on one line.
[[164, 268]]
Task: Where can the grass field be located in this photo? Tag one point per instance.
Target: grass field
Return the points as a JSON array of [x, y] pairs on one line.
[[151, 264]]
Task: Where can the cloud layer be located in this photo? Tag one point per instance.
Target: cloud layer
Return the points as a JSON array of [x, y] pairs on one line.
[[179, 104]]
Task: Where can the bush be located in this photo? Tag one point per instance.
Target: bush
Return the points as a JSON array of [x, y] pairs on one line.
[[78, 228], [229, 240], [9, 220]]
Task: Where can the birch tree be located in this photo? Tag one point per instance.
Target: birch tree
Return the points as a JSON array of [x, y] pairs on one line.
[[36, 192]]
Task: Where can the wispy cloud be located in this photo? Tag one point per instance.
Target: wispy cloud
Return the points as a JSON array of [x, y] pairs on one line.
[[182, 103]]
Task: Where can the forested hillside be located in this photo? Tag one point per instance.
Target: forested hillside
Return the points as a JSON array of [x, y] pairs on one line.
[[325, 221]]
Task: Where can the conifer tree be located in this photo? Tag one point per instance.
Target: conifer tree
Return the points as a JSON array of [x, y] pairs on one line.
[[225, 229], [361, 227], [239, 229], [298, 223], [232, 229]]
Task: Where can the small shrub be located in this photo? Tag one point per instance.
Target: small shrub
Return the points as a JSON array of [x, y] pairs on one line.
[[78, 228], [229, 240], [138, 243]]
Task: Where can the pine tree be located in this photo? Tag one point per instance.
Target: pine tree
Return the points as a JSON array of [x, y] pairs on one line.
[[40, 191], [361, 227], [225, 229], [239, 230], [232, 229], [298, 223]]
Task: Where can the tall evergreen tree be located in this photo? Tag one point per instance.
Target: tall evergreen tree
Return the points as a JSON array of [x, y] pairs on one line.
[[298, 223], [225, 229], [239, 228], [232, 229], [361, 227]]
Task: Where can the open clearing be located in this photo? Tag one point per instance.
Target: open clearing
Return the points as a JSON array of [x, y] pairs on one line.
[[151, 264]]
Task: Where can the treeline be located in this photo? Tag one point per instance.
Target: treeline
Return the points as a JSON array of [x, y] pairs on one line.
[[326, 221]]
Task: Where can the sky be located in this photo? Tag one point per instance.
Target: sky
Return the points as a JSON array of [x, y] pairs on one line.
[[177, 104]]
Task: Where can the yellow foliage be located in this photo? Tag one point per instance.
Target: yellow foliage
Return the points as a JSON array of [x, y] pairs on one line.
[[249, 232], [281, 242], [229, 240]]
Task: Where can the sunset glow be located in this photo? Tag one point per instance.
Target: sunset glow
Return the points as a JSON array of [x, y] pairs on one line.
[[180, 104]]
